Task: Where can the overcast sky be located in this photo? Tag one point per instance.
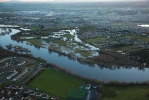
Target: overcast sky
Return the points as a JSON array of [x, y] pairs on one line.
[[67, 0]]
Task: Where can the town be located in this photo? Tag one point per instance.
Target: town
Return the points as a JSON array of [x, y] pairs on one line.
[[74, 51]]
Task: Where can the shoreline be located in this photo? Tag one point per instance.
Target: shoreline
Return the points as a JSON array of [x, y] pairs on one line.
[[86, 60]]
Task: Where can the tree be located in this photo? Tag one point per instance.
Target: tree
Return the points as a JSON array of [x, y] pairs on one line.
[[101, 88]]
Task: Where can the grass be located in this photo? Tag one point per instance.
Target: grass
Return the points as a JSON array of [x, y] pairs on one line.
[[36, 28], [144, 39], [139, 92], [60, 42], [68, 36], [127, 48], [91, 40], [55, 83], [55, 48], [36, 42], [83, 52], [4, 74], [77, 93], [131, 36]]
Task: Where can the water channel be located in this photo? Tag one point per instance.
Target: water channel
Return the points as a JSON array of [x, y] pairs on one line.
[[95, 72]]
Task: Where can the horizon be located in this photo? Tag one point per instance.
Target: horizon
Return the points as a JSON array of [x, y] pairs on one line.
[[67, 1]]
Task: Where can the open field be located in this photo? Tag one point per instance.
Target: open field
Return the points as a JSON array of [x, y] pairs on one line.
[[60, 42], [127, 49], [68, 36], [91, 40], [131, 36], [83, 52], [36, 42], [139, 92], [144, 39], [55, 83]]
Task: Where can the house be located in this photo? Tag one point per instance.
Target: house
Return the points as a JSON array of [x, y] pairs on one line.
[[13, 74], [14, 87], [21, 74], [8, 87], [45, 96]]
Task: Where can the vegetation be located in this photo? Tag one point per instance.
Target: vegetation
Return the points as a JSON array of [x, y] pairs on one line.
[[112, 57], [141, 55], [60, 42], [53, 82], [35, 42], [68, 36], [144, 39], [138, 92], [36, 28], [127, 49], [83, 52], [96, 39], [59, 28]]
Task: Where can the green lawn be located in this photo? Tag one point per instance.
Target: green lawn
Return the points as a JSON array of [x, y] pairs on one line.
[[144, 39], [131, 36], [126, 93], [60, 42], [36, 42], [127, 48], [55, 83], [83, 52], [68, 36], [91, 40]]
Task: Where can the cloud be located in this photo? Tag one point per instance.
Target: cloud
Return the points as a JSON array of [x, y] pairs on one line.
[[36, 0], [4, 0], [27, 0]]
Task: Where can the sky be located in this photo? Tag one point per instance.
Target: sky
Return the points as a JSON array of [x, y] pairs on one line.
[[66, 0]]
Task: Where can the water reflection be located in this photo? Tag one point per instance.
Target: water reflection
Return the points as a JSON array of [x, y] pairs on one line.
[[93, 71]]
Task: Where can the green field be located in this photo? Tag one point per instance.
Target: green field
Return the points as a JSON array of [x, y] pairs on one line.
[[127, 49], [68, 36], [60, 42], [139, 92], [144, 39], [36, 42], [131, 36], [91, 40], [55, 83], [84, 53]]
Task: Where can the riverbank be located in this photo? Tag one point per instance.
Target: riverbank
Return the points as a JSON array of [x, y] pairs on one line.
[[105, 58], [57, 77], [83, 69]]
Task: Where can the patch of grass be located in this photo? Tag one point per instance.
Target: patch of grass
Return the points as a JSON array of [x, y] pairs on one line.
[[126, 93], [91, 40], [60, 42], [83, 52], [130, 37], [36, 28], [4, 74], [55, 83], [127, 49], [68, 36], [60, 28], [144, 39], [31, 65], [55, 48], [35, 42]]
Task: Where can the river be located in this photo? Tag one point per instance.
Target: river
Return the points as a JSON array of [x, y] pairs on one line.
[[96, 72]]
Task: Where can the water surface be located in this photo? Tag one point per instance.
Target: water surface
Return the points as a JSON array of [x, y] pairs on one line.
[[96, 72]]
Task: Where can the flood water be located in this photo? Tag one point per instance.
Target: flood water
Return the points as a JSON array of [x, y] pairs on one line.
[[96, 72]]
